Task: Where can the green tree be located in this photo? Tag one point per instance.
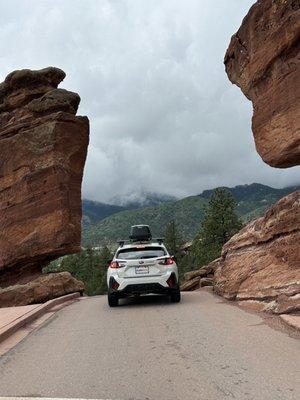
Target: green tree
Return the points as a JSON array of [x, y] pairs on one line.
[[220, 223], [173, 239], [173, 242], [89, 266], [105, 256]]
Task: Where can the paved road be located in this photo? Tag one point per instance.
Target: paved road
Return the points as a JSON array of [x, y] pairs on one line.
[[199, 349]]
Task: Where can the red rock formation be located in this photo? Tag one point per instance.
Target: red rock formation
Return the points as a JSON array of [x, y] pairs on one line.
[[44, 288], [203, 276], [262, 261], [43, 148], [263, 60]]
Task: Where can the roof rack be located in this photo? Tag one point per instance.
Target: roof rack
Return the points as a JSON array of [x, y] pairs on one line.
[[122, 242], [129, 241], [159, 240]]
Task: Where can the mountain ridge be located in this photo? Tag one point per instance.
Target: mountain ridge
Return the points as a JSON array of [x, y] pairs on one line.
[[187, 212], [95, 211]]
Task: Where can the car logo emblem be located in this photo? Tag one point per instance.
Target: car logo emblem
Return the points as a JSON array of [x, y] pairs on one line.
[[141, 262]]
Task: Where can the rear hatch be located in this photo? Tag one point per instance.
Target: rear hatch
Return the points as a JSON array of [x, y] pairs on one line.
[[141, 261]]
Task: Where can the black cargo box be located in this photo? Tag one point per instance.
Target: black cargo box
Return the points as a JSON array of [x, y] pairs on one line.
[[140, 233]]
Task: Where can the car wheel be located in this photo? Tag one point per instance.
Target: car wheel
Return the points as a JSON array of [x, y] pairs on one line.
[[113, 300], [175, 296]]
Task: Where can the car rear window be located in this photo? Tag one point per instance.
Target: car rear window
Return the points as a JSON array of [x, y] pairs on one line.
[[138, 253]]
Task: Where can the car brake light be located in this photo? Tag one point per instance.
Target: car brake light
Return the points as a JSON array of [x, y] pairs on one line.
[[114, 264], [167, 261]]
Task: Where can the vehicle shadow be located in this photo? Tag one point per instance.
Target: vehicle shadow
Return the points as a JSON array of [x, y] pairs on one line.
[[146, 300]]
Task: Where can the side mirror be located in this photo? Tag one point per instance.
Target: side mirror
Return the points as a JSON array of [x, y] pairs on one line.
[[108, 263]]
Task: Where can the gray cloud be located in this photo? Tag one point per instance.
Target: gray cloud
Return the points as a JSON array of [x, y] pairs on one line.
[[164, 117]]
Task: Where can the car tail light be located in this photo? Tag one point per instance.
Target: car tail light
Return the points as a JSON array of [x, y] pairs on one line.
[[114, 264], [166, 261], [169, 261]]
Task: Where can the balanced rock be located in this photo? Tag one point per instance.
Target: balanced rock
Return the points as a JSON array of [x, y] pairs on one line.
[[43, 147], [262, 261], [263, 60]]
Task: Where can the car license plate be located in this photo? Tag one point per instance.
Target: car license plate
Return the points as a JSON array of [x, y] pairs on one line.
[[141, 270]]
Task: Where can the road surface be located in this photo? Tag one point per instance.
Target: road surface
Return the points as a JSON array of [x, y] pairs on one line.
[[202, 349]]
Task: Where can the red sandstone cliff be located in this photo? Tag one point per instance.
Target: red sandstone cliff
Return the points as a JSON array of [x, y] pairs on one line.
[[263, 60], [262, 261], [43, 146]]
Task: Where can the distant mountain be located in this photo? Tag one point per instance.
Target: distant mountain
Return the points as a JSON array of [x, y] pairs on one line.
[[252, 201], [94, 211], [186, 212], [254, 191]]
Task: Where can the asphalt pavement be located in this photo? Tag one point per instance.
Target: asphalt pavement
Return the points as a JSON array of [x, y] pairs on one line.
[[199, 349]]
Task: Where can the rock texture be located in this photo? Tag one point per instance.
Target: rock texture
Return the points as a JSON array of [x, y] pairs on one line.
[[200, 277], [263, 60], [42, 289], [43, 147], [191, 284], [262, 261]]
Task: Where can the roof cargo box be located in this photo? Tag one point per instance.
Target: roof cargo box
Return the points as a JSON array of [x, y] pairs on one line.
[[140, 233]]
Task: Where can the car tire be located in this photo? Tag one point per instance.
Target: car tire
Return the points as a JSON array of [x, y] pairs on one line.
[[113, 300], [175, 296]]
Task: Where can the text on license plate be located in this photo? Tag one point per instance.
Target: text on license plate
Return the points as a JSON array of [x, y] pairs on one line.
[[143, 269]]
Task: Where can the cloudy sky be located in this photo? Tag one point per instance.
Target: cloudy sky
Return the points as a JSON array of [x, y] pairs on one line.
[[164, 117]]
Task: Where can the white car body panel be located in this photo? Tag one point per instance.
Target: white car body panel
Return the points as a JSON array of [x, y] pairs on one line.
[[142, 271]]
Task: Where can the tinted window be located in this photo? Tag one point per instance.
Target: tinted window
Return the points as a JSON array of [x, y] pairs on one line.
[[138, 253]]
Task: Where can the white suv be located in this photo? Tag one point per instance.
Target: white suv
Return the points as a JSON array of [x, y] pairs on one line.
[[141, 267]]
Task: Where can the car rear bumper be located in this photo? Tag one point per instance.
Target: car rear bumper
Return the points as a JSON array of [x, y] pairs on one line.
[[133, 286]]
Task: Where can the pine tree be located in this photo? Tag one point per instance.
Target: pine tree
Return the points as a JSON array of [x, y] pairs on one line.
[[104, 256], [89, 266], [173, 242], [172, 239], [220, 223]]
